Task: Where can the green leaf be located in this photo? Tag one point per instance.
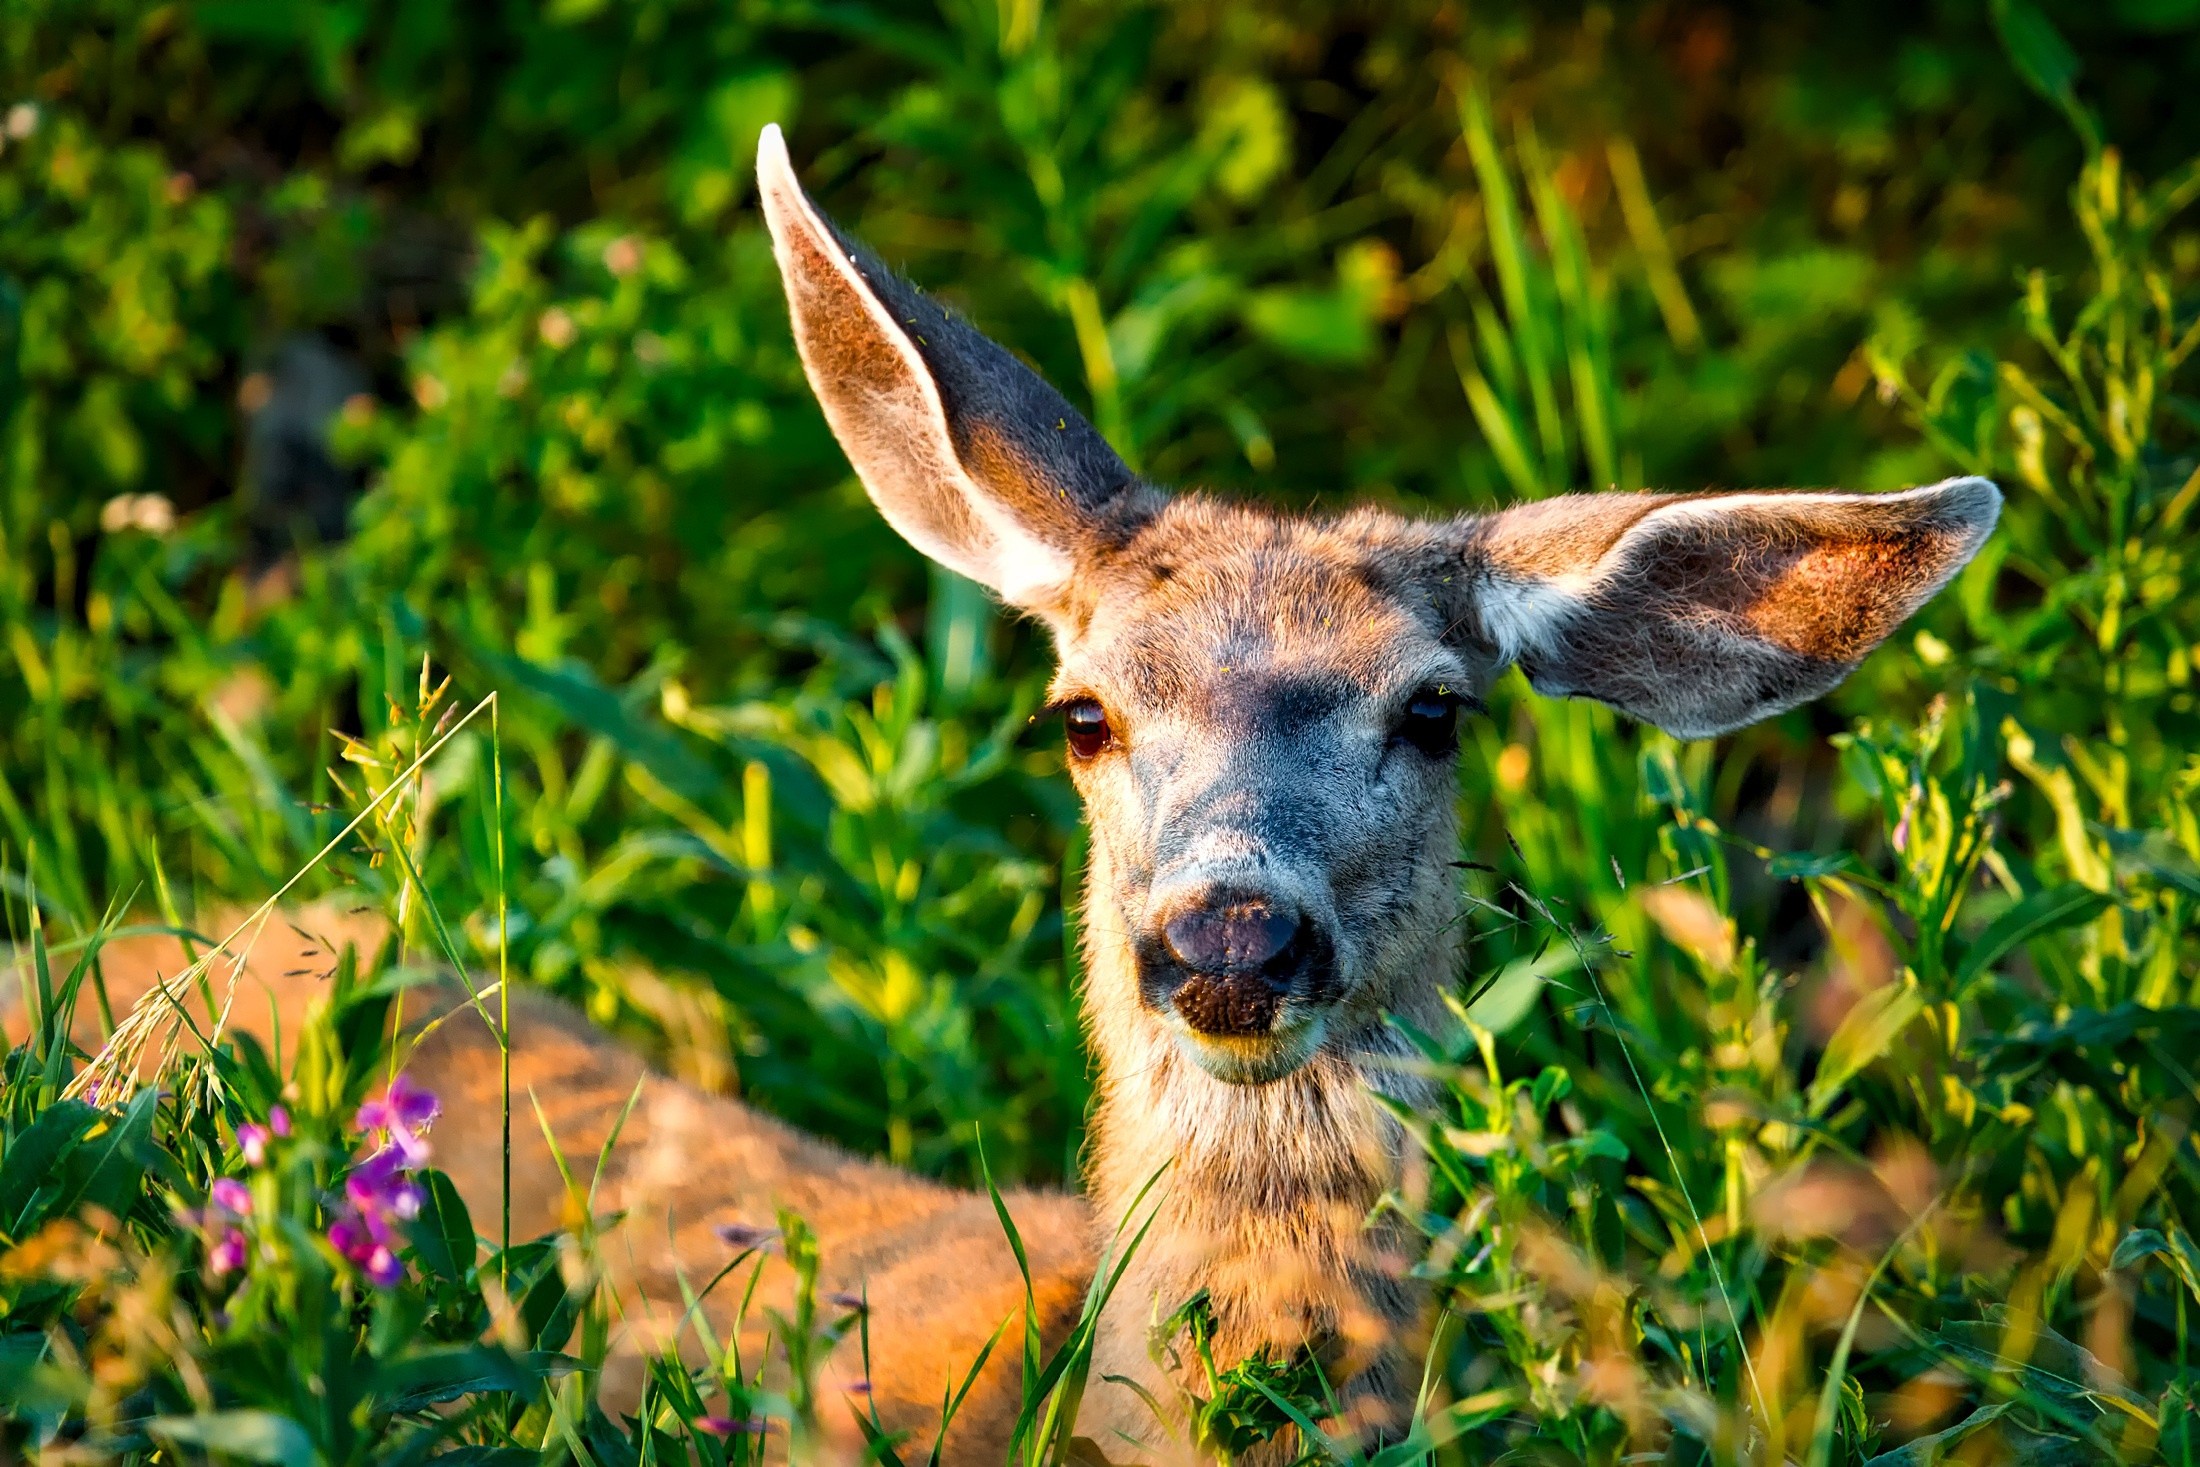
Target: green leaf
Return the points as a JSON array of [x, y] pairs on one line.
[[1553, 1085], [1926, 1451], [2176, 1250], [1328, 327], [256, 1436], [106, 1170], [1510, 996], [431, 1378], [2037, 49], [1806, 865], [2042, 912], [2045, 61], [2057, 1373], [34, 1155], [2137, 1244], [443, 1233], [1863, 1036]]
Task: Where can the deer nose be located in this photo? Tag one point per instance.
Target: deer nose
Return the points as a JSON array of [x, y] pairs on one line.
[[1227, 964], [1235, 938]]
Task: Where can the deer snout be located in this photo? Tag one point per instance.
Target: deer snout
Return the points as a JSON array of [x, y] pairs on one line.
[[1227, 962]]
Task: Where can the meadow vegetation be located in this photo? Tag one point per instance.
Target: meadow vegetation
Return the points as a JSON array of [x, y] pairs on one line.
[[1825, 1093]]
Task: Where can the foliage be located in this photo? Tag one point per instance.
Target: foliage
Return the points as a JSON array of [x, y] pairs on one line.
[[1821, 1092]]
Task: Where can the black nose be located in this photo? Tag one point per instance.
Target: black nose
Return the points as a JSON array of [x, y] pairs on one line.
[[1227, 964], [1241, 937]]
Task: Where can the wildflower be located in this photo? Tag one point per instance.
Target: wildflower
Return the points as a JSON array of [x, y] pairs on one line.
[[252, 1140], [398, 1119], [278, 1121], [353, 1236], [746, 1238], [365, 1239], [845, 1300], [383, 1269], [231, 1196], [857, 1388], [227, 1255], [1909, 808], [380, 1186], [727, 1426]]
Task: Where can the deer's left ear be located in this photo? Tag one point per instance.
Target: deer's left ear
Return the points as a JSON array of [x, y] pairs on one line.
[[1702, 613]]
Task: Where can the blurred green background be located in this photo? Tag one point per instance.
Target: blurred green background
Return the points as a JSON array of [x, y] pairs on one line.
[[339, 333]]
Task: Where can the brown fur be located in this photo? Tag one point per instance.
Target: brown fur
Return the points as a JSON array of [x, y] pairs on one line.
[[686, 1163]]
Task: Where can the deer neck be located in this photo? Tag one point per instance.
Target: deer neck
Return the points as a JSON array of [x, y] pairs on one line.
[[1260, 1194]]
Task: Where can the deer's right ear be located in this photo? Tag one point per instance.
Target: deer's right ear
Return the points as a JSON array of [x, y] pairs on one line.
[[967, 452]]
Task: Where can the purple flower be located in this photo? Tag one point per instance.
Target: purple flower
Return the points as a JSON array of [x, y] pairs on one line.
[[379, 1186], [727, 1426], [855, 1302], [403, 1112], [231, 1196], [278, 1120], [383, 1269], [365, 1240], [350, 1237], [746, 1238], [857, 1388], [253, 1139], [227, 1255]]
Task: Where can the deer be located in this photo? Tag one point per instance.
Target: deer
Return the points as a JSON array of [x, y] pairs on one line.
[[1261, 711]]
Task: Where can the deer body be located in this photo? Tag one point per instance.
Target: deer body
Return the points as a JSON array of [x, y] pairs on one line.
[[1261, 714]]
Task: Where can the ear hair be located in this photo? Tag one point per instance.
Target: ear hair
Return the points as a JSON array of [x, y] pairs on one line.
[[972, 457], [1702, 613]]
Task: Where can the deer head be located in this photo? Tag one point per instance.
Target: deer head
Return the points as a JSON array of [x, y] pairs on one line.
[[1261, 709]]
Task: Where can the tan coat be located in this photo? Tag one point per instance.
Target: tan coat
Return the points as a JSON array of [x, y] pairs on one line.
[[932, 1260]]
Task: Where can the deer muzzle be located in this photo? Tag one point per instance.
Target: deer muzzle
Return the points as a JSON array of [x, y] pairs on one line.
[[1228, 963]]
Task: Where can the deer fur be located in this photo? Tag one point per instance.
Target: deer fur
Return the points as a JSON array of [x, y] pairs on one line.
[[1273, 825]]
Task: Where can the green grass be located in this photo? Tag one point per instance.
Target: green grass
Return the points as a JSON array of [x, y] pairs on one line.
[[1823, 1094]]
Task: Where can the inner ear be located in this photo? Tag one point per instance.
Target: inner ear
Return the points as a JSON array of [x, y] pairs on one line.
[[967, 453], [1702, 613]]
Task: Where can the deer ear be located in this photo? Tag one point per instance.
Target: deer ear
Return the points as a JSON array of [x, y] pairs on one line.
[[1702, 613], [967, 452]]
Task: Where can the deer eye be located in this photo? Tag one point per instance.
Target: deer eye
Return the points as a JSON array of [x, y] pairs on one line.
[[1086, 724], [1431, 722]]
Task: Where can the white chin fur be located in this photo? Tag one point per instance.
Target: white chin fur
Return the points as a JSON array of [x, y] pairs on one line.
[[1252, 1061]]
